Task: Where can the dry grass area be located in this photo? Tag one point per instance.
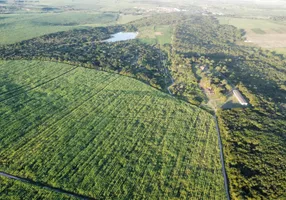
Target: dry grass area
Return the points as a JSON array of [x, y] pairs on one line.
[[262, 32], [268, 40]]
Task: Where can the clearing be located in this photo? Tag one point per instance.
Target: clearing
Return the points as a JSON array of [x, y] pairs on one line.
[[160, 34], [262, 32]]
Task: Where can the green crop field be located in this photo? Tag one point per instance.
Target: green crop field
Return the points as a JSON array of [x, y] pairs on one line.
[[18, 27], [104, 135], [72, 19], [15, 190]]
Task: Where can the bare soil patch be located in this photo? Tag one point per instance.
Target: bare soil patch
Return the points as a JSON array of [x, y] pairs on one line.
[[268, 40], [158, 33]]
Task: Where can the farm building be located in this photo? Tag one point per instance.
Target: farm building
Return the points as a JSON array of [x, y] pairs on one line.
[[240, 98]]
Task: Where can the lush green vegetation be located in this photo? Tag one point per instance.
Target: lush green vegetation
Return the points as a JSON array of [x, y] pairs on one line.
[[253, 138], [104, 135], [15, 28], [129, 119], [15, 190], [255, 153]]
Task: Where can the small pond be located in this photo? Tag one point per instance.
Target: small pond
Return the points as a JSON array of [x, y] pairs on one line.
[[121, 36]]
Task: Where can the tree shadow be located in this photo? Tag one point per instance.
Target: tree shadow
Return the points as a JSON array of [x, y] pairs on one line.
[[231, 104]]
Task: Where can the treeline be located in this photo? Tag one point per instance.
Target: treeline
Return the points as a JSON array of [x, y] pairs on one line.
[[185, 83], [204, 35], [254, 153]]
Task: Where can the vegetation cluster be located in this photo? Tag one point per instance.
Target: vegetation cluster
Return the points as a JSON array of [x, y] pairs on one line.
[[253, 138]]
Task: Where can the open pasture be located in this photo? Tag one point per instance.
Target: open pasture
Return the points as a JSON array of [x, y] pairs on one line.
[[262, 32], [160, 34], [123, 19], [74, 18], [19, 27], [104, 135]]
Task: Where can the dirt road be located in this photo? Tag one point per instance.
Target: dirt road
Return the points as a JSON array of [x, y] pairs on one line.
[[222, 160]]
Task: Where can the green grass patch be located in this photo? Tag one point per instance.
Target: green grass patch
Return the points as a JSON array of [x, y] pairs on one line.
[[258, 31], [123, 19], [16, 28], [104, 135], [161, 34], [251, 23], [72, 19], [280, 50], [12, 189]]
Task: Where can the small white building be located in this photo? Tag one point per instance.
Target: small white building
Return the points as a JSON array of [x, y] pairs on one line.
[[240, 98]]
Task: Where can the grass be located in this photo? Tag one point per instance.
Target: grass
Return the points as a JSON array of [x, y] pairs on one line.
[[280, 50], [258, 31], [161, 34], [104, 135], [263, 32], [164, 34], [123, 19], [247, 24], [13, 190], [73, 19], [19, 27]]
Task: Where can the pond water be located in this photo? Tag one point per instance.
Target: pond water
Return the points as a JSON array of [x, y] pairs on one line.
[[121, 36]]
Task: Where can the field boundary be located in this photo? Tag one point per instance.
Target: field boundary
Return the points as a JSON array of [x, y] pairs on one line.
[[44, 186], [222, 159]]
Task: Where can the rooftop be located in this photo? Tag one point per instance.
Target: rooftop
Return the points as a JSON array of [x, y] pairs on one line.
[[240, 98]]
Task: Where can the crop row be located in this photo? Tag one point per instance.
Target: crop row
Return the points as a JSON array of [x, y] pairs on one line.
[[107, 136]]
